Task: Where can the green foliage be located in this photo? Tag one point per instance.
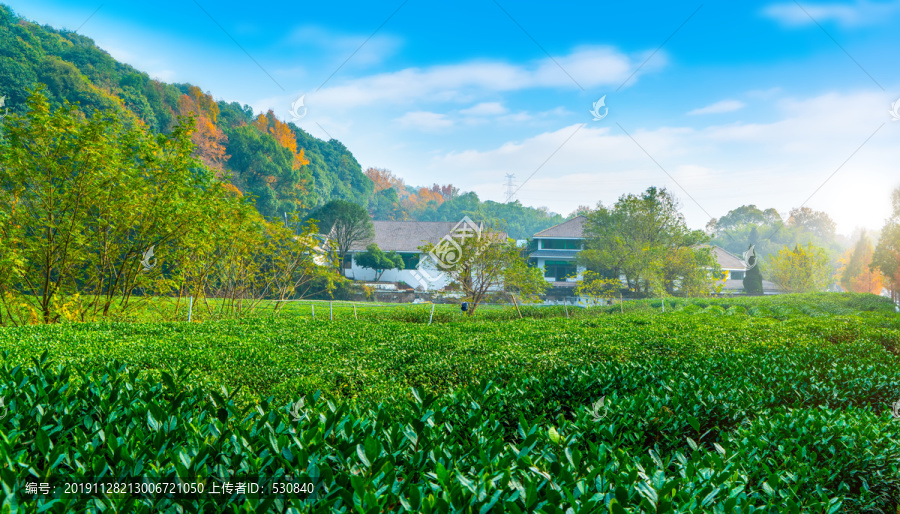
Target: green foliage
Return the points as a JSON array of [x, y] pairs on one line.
[[264, 169], [482, 265], [75, 70], [86, 201], [627, 413], [646, 239], [379, 261], [597, 287], [518, 221], [769, 233], [345, 223], [800, 270]]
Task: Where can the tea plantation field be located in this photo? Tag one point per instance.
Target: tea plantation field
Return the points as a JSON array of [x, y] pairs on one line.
[[742, 405]]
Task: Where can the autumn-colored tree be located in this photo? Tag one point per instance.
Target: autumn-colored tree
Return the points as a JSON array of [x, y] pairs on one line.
[[801, 270], [886, 257], [208, 137], [384, 178], [856, 273], [422, 198], [270, 124], [448, 191]]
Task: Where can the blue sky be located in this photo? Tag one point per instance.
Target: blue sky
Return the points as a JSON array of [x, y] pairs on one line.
[[775, 103]]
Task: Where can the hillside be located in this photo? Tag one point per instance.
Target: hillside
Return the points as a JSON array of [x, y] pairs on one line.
[[282, 166]]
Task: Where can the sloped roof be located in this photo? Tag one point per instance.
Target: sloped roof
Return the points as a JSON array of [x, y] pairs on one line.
[[407, 236], [726, 259], [574, 228]]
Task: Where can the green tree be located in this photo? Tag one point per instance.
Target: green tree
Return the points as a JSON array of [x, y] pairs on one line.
[[646, 239], [597, 287], [801, 270], [487, 265], [344, 223], [84, 199], [379, 261]]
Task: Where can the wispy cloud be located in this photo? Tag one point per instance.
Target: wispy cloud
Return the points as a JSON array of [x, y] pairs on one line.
[[859, 12], [485, 109], [776, 163], [424, 120], [592, 66], [719, 107]]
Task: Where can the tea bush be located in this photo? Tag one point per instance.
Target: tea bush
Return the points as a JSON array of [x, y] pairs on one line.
[[714, 409]]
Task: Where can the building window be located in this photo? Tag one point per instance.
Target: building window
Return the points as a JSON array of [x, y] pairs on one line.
[[561, 244], [737, 275], [559, 270], [348, 261], [410, 260]]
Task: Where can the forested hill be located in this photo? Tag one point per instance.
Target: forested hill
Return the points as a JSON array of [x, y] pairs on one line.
[[282, 166]]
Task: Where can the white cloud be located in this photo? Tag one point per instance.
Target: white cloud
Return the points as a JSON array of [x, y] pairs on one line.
[[465, 82], [719, 107], [424, 120], [485, 109], [778, 164], [859, 12]]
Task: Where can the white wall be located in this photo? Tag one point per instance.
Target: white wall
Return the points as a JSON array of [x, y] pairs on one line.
[[427, 279]]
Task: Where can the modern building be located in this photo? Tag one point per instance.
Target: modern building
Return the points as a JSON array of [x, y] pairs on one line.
[[555, 251]]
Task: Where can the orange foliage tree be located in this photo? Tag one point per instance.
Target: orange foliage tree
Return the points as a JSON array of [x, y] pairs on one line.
[[384, 178], [208, 137], [269, 124], [856, 274]]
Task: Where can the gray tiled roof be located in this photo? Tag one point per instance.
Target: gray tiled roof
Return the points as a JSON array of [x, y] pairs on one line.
[[726, 259], [406, 236], [574, 228]]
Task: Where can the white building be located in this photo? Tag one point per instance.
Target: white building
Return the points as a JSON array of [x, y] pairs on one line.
[[405, 238], [558, 246], [556, 249]]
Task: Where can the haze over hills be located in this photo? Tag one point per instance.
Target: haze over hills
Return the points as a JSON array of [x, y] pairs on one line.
[[285, 168]]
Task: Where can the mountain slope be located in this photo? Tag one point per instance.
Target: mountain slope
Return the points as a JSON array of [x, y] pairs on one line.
[[286, 169]]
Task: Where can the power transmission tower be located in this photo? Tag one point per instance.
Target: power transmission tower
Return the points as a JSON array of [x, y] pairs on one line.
[[510, 187]]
